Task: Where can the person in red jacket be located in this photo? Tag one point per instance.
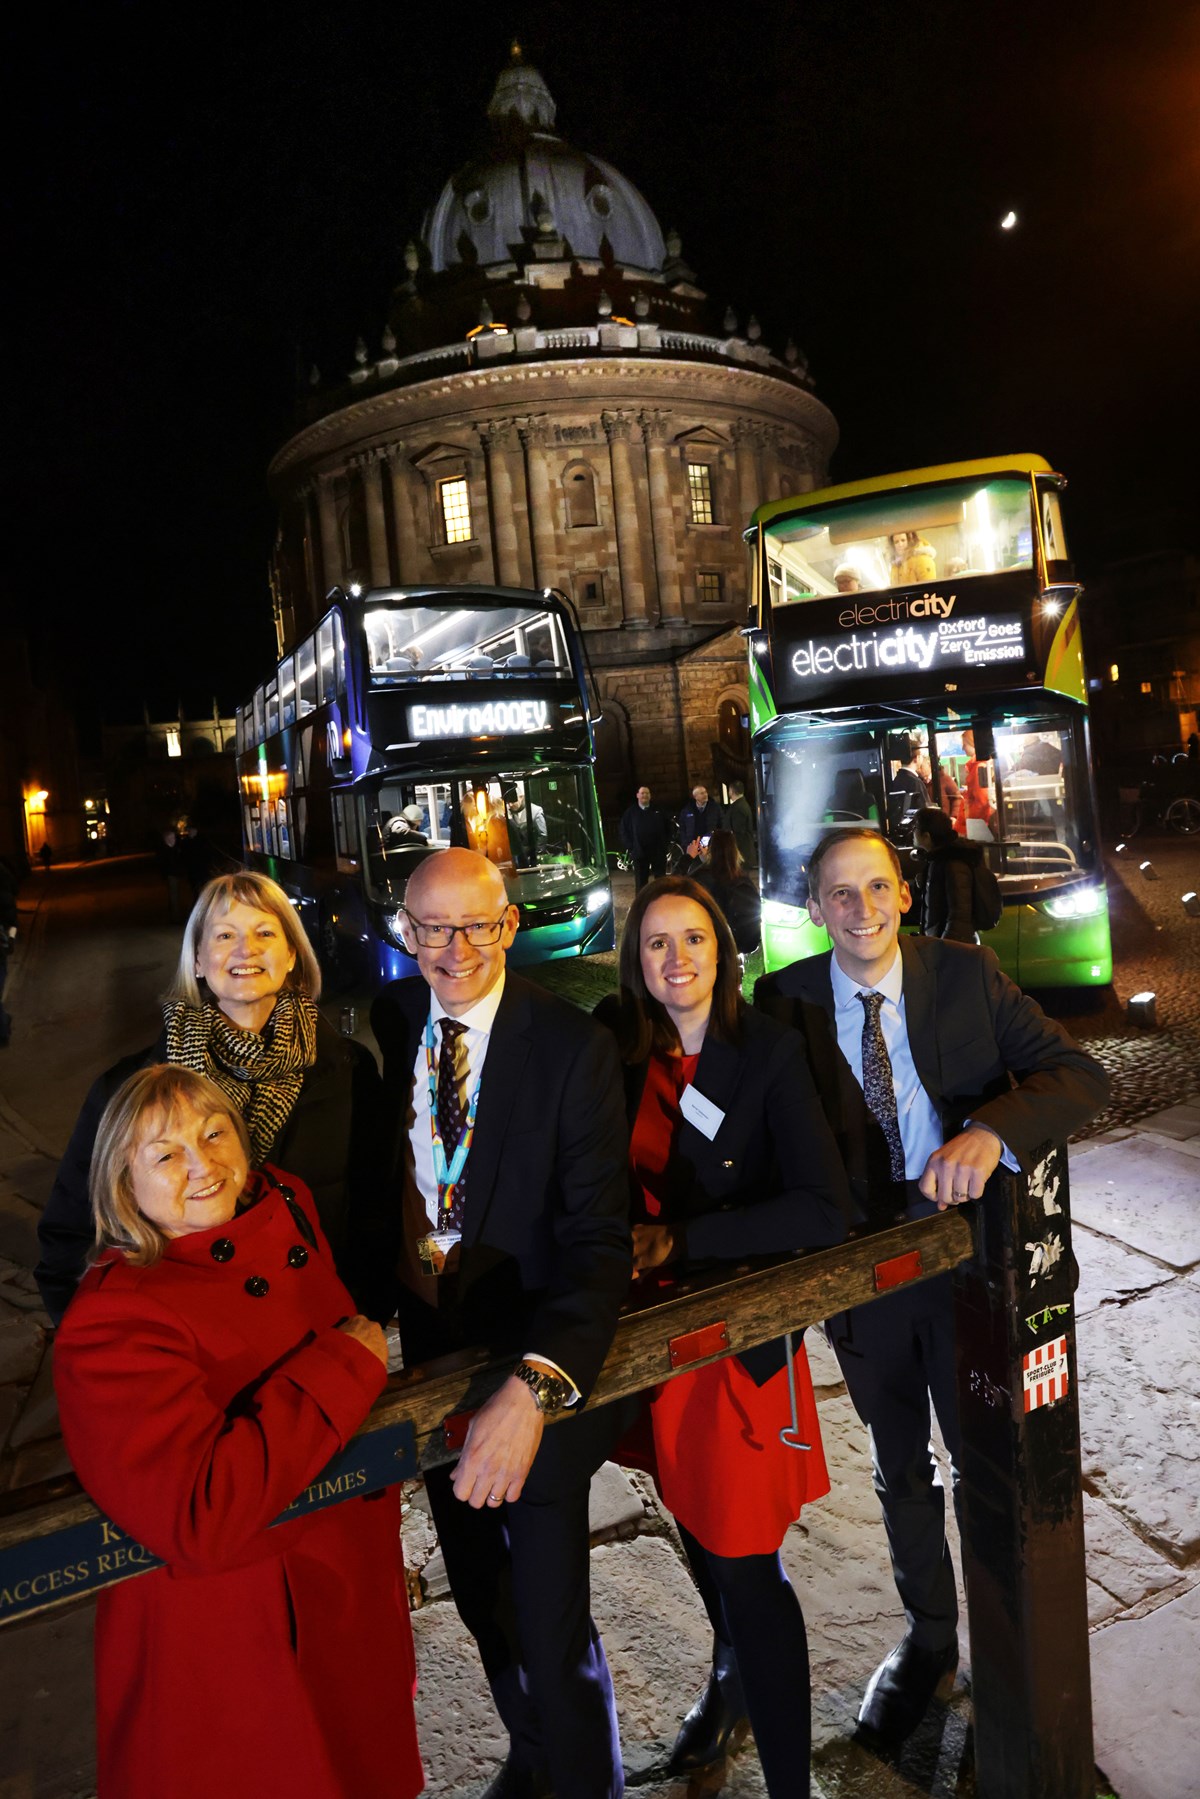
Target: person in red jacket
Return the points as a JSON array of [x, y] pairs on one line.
[[209, 1367]]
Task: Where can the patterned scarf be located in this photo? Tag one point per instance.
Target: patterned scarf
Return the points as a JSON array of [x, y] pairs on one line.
[[260, 1074]]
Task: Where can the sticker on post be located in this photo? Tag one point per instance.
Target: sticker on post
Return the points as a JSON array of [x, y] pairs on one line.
[[1044, 1374]]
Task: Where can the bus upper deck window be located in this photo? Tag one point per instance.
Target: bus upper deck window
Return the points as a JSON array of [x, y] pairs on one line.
[[306, 678]]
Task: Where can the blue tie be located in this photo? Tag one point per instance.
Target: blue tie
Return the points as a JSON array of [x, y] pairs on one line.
[[878, 1090]]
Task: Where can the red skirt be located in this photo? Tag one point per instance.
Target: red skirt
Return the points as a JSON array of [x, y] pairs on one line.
[[714, 1450]]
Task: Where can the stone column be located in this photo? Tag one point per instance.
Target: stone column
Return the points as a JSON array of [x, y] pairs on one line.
[[371, 470], [618, 428], [331, 549], [662, 518], [497, 438], [408, 573], [308, 547], [534, 435], [747, 436]]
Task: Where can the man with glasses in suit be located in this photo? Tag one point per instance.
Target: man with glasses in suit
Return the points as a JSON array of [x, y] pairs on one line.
[[509, 1158]]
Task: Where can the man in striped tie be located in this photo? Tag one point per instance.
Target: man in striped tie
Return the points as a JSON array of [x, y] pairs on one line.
[[509, 1163], [933, 1068]]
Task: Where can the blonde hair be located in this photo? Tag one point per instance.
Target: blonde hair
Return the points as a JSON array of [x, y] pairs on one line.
[[264, 895], [162, 1090]]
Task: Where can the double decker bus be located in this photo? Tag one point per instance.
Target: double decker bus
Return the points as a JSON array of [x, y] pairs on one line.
[[409, 720], [915, 640]]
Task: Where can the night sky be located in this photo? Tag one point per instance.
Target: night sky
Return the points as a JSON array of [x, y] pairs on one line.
[[212, 200]]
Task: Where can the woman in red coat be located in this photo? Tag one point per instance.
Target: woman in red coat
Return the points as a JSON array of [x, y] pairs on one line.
[[209, 1367], [730, 1156]]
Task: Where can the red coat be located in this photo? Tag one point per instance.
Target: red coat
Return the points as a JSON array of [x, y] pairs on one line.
[[259, 1660]]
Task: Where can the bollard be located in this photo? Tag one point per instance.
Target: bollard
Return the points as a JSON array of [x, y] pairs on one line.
[[1021, 1492]]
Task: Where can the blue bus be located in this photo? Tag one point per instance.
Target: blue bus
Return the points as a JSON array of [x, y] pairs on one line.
[[409, 720]]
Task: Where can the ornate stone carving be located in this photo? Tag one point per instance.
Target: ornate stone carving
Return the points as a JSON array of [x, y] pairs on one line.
[[497, 434], [655, 426], [535, 432], [618, 426]]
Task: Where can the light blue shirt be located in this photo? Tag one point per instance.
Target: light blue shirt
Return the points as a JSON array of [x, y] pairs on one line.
[[916, 1114]]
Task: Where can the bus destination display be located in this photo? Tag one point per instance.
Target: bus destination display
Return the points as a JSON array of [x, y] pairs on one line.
[[487, 718]]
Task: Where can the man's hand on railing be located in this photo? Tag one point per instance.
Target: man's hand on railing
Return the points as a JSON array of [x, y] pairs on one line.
[[501, 1443]]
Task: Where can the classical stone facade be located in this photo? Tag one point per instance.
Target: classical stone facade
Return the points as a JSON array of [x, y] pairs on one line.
[[556, 404]]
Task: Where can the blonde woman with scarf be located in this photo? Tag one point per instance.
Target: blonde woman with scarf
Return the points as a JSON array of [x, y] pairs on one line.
[[242, 1010]]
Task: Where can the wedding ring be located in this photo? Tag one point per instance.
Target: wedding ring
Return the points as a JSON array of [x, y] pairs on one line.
[[495, 1498], [957, 1195]]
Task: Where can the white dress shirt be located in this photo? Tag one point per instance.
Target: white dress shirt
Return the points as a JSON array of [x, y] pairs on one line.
[[916, 1114], [479, 1020]]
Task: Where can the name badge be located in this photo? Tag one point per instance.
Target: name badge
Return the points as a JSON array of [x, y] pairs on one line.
[[701, 1112], [437, 1249]]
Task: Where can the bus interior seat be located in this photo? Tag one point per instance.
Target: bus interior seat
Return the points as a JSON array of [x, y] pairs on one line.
[[516, 662], [479, 664], [849, 797]]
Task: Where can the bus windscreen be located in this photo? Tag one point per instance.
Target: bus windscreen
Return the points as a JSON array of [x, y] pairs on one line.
[[900, 539]]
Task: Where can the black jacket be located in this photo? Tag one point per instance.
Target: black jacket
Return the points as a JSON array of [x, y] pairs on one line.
[[740, 903], [696, 822], [546, 1258], [948, 891], [331, 1140], [770, 1180], [982, 1049], [644, 832]]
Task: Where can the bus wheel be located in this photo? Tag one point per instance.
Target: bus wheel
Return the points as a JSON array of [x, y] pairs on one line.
[[337, 954], [1183, 815]]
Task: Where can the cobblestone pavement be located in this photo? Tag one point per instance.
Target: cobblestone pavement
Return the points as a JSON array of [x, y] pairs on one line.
[[1137, 1237]]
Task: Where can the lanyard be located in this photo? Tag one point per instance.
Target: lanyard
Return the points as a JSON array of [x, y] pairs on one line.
[[447, 1175]]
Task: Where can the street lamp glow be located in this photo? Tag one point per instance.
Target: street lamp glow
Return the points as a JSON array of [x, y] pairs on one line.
[[1008, 221]]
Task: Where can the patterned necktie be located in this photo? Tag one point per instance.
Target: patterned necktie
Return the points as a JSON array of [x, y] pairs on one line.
[[451, 1109], [878, 1090]]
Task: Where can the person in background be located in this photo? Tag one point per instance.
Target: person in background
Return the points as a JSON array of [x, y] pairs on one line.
[[644, 834], [913, 559], [976, 802], [998, 1081], [210, 1366], [948, 886], [698, 820], [507, 1157], [526, 827], [168, 854], [242, 1010], [730, 1156], [846, 578], [720, 873], [197, 856], [8, 937], [739, 818]]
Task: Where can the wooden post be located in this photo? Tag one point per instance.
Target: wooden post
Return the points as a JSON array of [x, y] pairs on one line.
[[1021, 1493]]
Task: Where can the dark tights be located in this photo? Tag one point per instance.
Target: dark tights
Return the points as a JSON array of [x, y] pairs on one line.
[[752, 1607]]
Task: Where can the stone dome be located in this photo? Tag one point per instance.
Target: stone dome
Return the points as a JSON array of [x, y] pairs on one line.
[[529, 186]]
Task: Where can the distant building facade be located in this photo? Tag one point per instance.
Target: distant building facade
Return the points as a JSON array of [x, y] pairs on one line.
[[556, 403]]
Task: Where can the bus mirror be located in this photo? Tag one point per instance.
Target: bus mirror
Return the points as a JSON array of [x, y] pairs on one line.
[[985, 743]]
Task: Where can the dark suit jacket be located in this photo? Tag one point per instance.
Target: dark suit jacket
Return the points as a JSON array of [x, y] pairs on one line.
[[546, 1257], [771, 1179], [982, 1049]]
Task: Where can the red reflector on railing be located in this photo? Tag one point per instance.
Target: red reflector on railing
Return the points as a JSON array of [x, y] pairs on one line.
[[710, 1339], [897, 1271], [455, 1428]]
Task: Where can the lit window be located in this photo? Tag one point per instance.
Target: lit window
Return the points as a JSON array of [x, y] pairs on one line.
[[700, 492], [456, 510], [708, 588], [1147, 687], [173, 748]]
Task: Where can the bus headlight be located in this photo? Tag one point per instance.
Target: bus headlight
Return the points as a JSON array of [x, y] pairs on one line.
[[391, 922], [598, 898], [1076, 902]]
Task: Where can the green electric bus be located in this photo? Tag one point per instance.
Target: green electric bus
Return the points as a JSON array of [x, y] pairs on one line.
[[915, 640], [416, 718]]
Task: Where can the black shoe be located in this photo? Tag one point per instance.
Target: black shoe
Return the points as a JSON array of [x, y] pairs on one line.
[[902, 1689], [705, 1734], [511, 1782]]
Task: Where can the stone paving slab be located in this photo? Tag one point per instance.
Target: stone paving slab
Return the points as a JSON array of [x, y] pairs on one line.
[[1123, 1571], [1146, 1740], [1180, 1121], [1139, 1404], [1150, 1201], [1110, 1274]]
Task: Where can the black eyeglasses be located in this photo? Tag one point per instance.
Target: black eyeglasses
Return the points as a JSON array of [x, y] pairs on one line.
[[441, 936]]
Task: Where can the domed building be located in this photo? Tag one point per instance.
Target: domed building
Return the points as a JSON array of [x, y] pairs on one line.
[[555, 402]]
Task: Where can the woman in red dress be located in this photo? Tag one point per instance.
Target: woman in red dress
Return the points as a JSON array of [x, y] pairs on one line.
[[730, 1156], [208, 1369]]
